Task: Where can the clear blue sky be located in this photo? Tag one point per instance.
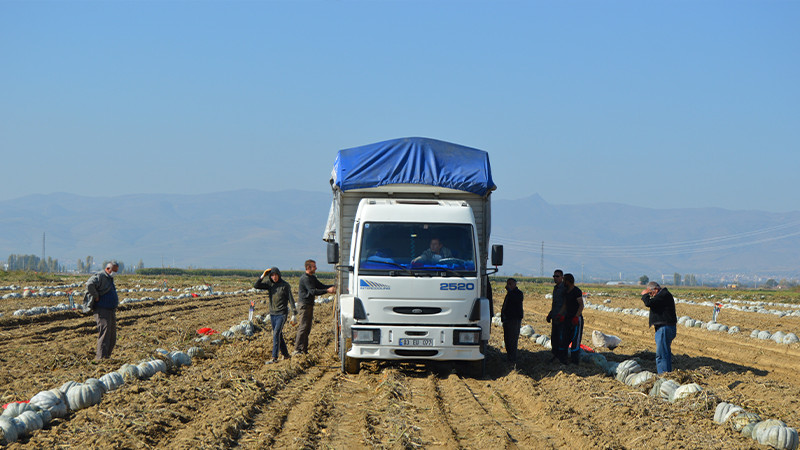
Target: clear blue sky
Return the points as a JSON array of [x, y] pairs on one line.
[[661, 104]]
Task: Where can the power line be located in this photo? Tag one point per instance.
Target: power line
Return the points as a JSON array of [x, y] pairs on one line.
[[666, 249]]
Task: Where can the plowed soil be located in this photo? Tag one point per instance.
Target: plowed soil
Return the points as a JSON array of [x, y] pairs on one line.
[[231, 399]]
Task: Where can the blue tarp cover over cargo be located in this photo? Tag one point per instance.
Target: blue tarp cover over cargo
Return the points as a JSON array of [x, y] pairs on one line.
[[414, 160]]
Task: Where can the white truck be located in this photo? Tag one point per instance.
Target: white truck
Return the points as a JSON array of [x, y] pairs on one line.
[[408, 232]]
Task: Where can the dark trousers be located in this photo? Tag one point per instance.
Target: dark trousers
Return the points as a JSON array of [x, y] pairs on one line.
[[305, 317], [556, 332], [107, 331], [277, 321], [575, 336], [511, 337]]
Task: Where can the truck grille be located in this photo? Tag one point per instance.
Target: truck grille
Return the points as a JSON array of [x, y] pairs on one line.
[[417, 310]]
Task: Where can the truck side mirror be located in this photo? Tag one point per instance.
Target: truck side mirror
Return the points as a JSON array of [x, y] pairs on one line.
[[333, 253], [497, 255]]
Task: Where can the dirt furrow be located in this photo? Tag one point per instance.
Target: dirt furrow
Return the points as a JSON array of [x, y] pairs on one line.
[[474, 425]]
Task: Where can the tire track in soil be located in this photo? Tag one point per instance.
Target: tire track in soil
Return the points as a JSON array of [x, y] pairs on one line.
[[513, 405], [291, 417], [473, 423]]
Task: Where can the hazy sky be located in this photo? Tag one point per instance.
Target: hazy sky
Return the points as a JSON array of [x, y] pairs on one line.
[[661, 104]]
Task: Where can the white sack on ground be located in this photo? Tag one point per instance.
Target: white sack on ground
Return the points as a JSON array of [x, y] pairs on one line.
[[599, 339]]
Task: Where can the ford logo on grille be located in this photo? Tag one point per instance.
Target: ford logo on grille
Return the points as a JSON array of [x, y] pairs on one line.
[[416, 311]]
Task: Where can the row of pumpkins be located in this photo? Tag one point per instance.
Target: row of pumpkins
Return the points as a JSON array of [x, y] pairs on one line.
[[785, 338], [772, 432], [78, 296], [23, 418]]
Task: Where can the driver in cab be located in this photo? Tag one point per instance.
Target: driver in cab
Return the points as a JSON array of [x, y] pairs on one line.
[[435, 253]]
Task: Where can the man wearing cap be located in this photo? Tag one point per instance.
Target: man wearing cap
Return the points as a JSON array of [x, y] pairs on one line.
[[103, 292], [310, 287], [280, 296]]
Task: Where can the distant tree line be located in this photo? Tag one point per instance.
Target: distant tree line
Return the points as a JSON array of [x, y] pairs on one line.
[[33, 263]]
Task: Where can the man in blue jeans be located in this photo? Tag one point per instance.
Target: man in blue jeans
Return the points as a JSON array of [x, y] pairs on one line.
[[280, 301], [665, 321]]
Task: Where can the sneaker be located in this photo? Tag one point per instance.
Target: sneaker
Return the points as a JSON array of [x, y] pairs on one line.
[[296, 352], [271, 361]]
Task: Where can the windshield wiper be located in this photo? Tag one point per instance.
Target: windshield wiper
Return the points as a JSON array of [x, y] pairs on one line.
[[390, 263]]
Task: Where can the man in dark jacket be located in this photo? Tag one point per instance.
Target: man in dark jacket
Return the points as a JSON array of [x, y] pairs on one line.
[[557, 322], [511, 315], [102, 290], [572, 311], [280, 297], [665, 321], [310, 287]]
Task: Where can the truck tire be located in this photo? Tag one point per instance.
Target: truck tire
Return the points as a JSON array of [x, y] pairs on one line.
[[349, 365], [477, 369]]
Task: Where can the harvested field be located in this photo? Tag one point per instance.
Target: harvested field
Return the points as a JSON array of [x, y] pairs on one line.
[[231, 399]]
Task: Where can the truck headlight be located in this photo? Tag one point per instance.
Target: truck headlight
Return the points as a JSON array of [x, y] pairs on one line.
[[466, 337], [366, 336]]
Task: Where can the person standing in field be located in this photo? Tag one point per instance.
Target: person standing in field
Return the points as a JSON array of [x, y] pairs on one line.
[[557, 323], [310, 287], [665, 321], [103, 292], [573, 319], [511, 314], [280, 302]]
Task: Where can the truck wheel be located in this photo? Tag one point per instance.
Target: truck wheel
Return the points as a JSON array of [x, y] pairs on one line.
[[477, 369], [349, 365]]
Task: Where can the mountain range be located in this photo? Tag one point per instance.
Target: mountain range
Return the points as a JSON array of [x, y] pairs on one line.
[[255, 229]]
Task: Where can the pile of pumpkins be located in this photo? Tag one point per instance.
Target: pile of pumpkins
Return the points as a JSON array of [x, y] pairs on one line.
[[770, 432], [20, 419]]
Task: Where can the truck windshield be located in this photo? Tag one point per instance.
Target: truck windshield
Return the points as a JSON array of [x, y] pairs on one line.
[[408, 248]]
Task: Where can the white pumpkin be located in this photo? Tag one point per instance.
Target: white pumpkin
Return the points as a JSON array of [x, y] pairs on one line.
[[146, 370], [129, 372], [8, 430], [638, 378], [762, 426], [180, 358], [724, 412], [52, 400], [626, 368], [84, 395], [196, 352], [31, 420], [96, 383], [112, 381], [159, 365], [526, 330], [14, 409], [65, 387], [685, 390], [779, 437], [667, 389]]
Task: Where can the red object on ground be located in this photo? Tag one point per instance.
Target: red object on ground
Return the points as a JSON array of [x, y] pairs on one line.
[[195, 295], [20, 401], [584, 348], [207, 331]]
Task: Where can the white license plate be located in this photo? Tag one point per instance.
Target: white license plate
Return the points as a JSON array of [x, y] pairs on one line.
[[416, 342]]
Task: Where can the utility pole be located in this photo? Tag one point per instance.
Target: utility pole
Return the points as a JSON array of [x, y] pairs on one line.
[[42, 246], [541, 263]]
